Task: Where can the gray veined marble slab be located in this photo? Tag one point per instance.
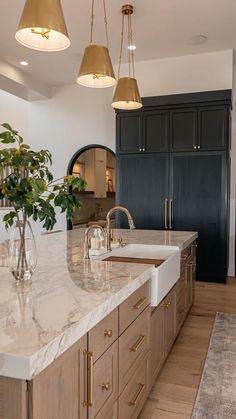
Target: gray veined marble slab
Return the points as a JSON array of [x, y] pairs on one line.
[[67, 298]]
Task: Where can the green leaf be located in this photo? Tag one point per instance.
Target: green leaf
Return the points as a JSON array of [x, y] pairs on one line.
[[6, 137], [7, 126], [9, 219]]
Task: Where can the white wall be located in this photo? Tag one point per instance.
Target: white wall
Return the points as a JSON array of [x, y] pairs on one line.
[[73, 118], [190, 73]]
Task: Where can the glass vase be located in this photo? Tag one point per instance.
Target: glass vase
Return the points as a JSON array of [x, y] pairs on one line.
[[22, 252]]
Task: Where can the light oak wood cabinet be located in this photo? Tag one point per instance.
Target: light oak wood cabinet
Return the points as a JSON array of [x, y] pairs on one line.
[[105, 383], [168, 318], [135, 393], [13, 399], [59, 391], [133, 345], [131, 308], [102, 336], [169, 305], [108, 373], [157, 355]]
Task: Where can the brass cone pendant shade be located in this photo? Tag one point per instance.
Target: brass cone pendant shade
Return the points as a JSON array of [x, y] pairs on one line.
[[127, 95], [96, 68], [42, 26]]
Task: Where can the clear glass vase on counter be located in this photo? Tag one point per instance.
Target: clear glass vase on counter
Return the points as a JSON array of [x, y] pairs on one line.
[[22, 254]]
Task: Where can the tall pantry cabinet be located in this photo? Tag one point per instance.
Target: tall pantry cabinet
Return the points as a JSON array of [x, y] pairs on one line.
[[173, 171]]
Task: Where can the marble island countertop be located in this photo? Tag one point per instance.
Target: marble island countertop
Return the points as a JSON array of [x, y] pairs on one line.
[[68, 296]]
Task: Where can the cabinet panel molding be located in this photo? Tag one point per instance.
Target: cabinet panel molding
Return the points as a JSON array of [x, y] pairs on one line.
[[133, 344], [59, 391], [102, 336], [157, 354], [13, 398]]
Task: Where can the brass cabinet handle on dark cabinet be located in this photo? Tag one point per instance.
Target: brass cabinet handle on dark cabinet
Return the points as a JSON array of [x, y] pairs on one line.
[[171, 213], [166, 213]]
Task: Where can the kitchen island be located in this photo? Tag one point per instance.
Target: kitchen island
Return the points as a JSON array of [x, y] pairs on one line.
[[59, 314]]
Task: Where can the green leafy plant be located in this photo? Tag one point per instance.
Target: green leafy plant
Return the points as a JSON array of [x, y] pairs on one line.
[[30, 188]]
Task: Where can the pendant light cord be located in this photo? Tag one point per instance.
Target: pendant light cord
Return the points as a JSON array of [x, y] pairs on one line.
[[131, 44], [92, 22], [121, 44], [106, 24]]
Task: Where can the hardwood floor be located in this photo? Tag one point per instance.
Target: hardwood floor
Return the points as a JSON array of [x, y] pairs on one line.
[[173, 395]]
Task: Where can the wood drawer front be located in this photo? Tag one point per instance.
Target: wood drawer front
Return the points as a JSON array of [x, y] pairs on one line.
[[130, 309], [105, 382], [180, 289], [133, 345], [169, 304], [109, 412], [180, 311], [101, 337], [135, 393]]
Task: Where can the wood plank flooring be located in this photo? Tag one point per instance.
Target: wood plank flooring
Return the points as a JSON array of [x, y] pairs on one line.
[[174, 393]]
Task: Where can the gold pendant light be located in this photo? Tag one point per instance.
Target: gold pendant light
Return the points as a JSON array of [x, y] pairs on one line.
[[96, 68], [42, 26], [127, 95]]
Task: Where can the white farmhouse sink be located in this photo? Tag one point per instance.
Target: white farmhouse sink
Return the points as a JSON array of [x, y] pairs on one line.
[[164, 276]]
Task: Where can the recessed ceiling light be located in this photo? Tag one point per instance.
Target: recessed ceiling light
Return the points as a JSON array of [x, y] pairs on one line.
[[24, 63], [132, 47], [198, 40]]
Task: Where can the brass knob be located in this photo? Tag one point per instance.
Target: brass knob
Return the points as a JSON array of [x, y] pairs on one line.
[[167, 305], [108, 333], [106, 386]]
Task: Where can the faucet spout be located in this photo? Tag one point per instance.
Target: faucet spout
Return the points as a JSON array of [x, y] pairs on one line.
[[129, 217]]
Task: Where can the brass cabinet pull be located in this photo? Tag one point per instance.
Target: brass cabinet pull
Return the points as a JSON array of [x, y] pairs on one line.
[[134, 401], [140, 303], [166, 210], [89, 401], [106, 386], [137, 345], [167, 305], [184, 257], [171, 213], [108, 333]]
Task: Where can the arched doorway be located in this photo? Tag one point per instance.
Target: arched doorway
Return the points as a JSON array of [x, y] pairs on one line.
[[97, 165]]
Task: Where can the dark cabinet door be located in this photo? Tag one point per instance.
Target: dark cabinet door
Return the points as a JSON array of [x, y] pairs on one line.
[[183, 129], [199, 190], [129, 133], [142, 187], [213, 127], [156, 132]]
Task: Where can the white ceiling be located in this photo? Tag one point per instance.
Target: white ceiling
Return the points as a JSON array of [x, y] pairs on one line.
[[162, 28]]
